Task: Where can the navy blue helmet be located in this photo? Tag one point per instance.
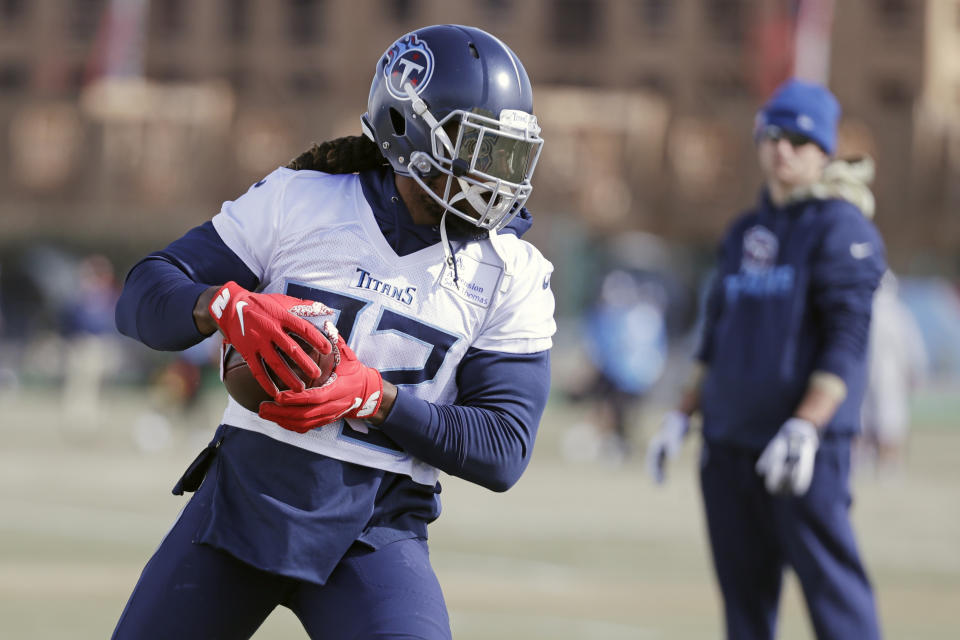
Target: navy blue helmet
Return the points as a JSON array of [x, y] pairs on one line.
[[456, 101]]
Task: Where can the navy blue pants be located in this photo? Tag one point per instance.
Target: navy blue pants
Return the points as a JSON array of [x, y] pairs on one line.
[[190, 590], [754, 535]]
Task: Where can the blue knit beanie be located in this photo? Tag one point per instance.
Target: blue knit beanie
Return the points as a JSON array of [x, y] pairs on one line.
[[805, 108]]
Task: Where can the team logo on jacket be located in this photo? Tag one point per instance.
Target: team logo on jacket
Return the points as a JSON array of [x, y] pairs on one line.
[[409, 60], [760, 249], [760, 276]]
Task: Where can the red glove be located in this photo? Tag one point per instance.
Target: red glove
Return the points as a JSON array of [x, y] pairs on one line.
[[353, 391], [256, 324]]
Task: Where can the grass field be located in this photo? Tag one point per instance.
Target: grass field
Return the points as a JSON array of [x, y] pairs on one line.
[[573, 551]]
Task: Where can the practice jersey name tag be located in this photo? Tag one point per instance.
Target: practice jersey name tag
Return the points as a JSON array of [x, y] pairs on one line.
[[476, 281]]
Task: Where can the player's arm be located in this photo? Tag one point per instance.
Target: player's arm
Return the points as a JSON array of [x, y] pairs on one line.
[[162, 291], [825, 392], [845, 275], [177, 297], [689, 402], [487, 435], [164, 299]]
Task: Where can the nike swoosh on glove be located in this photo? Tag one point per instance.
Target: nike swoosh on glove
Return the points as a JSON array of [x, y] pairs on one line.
[[354, 390], [787, 461], [258, 326]]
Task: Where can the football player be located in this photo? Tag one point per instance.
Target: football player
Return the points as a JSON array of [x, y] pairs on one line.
[[409, 236], [781, 378]]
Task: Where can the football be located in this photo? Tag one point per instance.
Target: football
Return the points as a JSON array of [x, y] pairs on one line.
[[244, 388]]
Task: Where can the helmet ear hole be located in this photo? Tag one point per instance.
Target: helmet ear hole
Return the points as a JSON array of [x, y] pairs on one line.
[[473, 51], [398, 122]]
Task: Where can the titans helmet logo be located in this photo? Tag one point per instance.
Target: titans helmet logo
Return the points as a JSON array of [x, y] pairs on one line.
[[409, 60], [760, 248]]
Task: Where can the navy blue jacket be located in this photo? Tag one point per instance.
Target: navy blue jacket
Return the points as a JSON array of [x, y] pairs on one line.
[[792, 295]]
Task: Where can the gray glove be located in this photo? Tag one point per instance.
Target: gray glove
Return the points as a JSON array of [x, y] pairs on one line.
[[787, 461], [666, 444]]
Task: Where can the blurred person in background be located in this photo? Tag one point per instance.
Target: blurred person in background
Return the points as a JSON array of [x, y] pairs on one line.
[[625, 336], [897, 363], [780, 377], [38, 283], [87, 326], [409, 237]]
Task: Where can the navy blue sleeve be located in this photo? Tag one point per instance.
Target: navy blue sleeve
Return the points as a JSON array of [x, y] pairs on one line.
[[156, 304], [712, 306], [845, 274], [711, 312], [487, 436]]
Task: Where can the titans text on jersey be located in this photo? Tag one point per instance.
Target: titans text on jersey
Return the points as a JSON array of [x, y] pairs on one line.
[[367, 281]]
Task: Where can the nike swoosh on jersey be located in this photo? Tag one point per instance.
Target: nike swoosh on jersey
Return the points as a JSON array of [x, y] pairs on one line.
[[861, 250], [240, 306]]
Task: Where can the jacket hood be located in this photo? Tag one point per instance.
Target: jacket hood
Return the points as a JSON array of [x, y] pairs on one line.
[[520, 224], [847, 179]]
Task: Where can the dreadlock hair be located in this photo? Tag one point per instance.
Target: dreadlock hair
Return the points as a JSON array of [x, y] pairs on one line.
[[349, 154]]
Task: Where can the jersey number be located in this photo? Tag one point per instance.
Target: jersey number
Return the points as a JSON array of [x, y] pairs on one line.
[[348, 309]]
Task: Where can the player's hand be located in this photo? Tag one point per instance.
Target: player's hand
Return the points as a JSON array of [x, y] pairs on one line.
[[354, 390], [256, 324], [787, 461], [666, 444]]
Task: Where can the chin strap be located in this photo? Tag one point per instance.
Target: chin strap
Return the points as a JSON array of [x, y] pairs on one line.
[[470, 192], [447, 249], [420, 108]]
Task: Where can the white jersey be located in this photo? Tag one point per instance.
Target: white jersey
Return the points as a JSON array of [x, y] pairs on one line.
[[313, 235]]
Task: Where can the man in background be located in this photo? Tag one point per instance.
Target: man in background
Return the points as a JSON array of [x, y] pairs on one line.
[[780, 377]]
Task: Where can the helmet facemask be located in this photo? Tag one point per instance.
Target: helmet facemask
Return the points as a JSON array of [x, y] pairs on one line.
[[491, 160]]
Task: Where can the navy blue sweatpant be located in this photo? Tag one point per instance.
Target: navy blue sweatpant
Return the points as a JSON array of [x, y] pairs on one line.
[[754, 535], [192, 590]]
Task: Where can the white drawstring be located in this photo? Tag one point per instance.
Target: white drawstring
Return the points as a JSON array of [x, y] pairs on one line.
[[447, 251]]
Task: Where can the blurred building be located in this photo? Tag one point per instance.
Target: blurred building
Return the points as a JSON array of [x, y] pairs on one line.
[[133, 119]]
